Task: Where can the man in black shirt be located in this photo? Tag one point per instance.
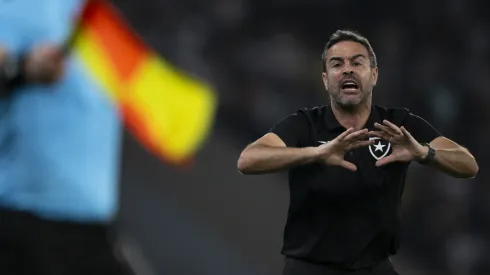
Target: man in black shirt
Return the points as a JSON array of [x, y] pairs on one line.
[[347, 164]]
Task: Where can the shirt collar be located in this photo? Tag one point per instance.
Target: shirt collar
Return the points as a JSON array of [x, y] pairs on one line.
[[333, 124]]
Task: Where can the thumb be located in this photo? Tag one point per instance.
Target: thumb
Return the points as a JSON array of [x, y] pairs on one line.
[[348, 165], [388, 159]]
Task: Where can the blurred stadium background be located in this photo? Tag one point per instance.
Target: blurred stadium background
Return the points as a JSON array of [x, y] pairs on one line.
[[263, 58]]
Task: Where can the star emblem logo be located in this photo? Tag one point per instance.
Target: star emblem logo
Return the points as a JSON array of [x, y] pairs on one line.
[[380, 148]]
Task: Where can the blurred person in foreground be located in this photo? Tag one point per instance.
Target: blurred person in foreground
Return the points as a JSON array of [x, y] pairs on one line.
[[347, 164], [59, 150]]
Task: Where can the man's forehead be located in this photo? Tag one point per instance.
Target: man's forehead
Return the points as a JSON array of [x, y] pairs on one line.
[[347, 49]]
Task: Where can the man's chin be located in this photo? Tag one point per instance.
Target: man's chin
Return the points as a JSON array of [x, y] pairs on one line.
[[349, 103]]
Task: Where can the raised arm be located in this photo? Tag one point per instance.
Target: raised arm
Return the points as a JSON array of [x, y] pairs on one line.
[[270, 154], [441, 153], [452, 158]]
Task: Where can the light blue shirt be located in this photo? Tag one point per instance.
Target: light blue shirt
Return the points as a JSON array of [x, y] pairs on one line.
[[59, 145]]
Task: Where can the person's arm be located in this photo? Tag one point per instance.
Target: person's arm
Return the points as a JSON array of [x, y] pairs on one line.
[[450, 157], [284, 147], [279, 149], [270, 154]]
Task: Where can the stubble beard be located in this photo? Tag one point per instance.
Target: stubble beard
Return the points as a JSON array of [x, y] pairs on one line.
[[349, 105]]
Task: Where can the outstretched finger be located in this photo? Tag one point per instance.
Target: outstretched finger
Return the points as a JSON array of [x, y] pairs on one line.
[[406, 133], [348, 165], [357, 135], [380, 135], [392, 127], [362, 143], [345, 133], [386, 160], [385, 129]]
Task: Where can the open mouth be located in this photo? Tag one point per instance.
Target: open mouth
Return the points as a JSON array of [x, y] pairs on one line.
[[349, 85]]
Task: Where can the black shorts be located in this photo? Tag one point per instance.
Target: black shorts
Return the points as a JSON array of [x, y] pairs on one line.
[[34, 246], [298, 267]]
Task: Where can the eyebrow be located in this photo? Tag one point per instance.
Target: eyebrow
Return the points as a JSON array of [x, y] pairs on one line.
[[337, 58]]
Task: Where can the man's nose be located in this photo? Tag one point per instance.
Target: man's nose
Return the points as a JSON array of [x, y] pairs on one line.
[[348, 71]]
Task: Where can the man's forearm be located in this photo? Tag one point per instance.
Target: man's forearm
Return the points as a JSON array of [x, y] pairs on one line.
[[457, 162], [261, 159]]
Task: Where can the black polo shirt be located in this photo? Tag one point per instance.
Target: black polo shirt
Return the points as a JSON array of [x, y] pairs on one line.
[[336, 216]]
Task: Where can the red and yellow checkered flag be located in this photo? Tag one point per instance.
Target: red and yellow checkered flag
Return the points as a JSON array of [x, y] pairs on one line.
[[169, 112]]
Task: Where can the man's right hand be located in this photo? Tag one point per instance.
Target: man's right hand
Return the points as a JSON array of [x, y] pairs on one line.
[[44, 64], [332, 153], [269, 153]]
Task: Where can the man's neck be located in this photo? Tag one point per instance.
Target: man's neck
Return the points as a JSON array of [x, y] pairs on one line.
[[356, 117]]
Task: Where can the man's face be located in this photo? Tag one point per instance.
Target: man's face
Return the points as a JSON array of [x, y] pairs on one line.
[[349, 77]]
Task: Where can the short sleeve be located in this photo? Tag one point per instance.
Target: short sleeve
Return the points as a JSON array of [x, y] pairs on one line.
[[420, 129], [293, 130]]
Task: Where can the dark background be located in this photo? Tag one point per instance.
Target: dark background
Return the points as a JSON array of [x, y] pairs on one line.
[[263, 58]]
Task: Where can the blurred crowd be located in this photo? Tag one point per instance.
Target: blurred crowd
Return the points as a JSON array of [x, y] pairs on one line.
[[263, 57]]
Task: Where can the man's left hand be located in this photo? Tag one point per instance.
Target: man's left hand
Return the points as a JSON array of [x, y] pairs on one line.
[[404, 147]]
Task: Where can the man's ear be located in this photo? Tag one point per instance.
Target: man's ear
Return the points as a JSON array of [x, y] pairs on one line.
[[375, 75], [325, 79]]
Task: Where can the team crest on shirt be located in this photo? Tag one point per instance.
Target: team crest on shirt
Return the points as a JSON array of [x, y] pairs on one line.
[[380, 148]]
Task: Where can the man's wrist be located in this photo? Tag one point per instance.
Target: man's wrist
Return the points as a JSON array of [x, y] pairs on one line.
[[426, 156], [422, 153], [313, 153]]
